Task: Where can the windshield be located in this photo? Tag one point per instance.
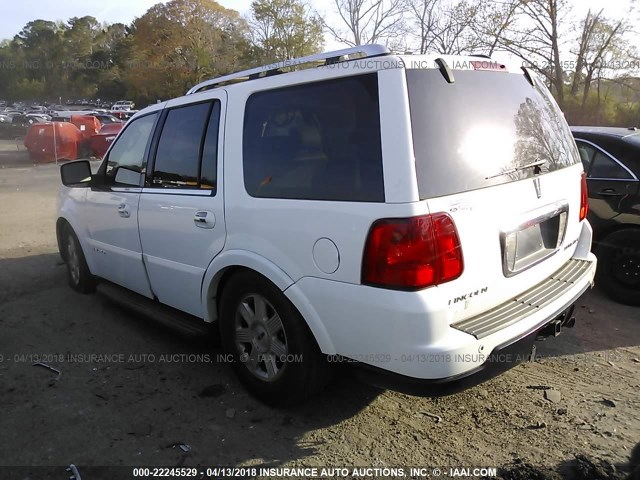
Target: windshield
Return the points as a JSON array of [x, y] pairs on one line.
[[486, 128]]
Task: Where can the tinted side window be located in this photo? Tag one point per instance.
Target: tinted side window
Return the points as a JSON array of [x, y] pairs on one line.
[[586, 152], [126, 157], [604, 167], [209, 169], [627, 151], [317, 141], [177, 162]]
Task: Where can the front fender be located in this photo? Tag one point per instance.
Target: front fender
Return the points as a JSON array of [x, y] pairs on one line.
[[70, 201]]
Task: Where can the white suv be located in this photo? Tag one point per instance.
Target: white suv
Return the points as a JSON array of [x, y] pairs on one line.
[[423, 218], [122, 105]]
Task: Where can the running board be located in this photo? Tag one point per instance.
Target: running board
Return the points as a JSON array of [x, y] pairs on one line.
[[183, 323]]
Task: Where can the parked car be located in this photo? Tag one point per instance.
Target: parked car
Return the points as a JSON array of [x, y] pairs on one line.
[[70, 113], [100, 142], [106, 118], [611, 158], [351, 211], [123, 115], [29, 118], [123, 105], [40, 116]]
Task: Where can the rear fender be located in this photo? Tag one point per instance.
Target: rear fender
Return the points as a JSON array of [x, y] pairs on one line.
[[246, 259]]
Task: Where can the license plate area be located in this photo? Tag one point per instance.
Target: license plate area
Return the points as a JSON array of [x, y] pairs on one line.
[[534, 239]]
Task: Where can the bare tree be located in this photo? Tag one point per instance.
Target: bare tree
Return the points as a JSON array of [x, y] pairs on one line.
[[493, 21], [444, 27], [425, 17], [600, 42], [533, 34], [586, 38], [368, 21]]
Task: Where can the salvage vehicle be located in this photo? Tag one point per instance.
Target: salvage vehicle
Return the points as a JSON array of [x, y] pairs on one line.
[[123, 105], [107, 118], [420, 217], [100, 142], [611, 159], [29, 118]]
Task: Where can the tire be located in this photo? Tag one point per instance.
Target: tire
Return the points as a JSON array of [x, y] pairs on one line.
[[619, 266], [78, 274], [278, 362]]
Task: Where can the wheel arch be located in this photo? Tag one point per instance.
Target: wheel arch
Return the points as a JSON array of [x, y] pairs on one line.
[[61, 224], [230, 262], [601, 234], [64, 221]]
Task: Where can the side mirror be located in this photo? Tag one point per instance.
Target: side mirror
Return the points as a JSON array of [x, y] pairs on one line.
[[76, 174]]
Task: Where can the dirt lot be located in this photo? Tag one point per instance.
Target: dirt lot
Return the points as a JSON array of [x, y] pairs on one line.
[[153, 390]]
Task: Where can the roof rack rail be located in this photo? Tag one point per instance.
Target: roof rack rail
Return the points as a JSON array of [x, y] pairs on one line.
[[326, 58]]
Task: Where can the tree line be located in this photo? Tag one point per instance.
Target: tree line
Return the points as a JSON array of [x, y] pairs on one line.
[[589, 63]]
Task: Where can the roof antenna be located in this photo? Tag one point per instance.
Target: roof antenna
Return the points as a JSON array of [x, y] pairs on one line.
[[445, 70]]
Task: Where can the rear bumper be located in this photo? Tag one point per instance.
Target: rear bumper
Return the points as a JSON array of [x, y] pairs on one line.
[[412, 336], [502, 358], [529, 302]]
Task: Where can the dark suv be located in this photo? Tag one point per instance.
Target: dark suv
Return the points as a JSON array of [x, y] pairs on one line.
[[611, 159]]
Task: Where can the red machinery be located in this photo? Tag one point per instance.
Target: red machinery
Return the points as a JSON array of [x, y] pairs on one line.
[[48, 142]]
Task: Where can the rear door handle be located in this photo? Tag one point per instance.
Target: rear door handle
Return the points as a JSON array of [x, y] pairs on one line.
[[124, 211], [204, 219], [609, 192]]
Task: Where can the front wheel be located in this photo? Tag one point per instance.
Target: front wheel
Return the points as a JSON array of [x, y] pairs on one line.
[[275, 354], [78, 274], [619, 266]]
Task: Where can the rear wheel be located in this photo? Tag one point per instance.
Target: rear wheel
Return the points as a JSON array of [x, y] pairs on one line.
[[619, 266], [275, 354], [78, 274]]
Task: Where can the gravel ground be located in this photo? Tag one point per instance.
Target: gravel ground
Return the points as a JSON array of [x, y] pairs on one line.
[[151, 391]]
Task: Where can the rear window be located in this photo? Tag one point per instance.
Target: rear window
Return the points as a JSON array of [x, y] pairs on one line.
[[316, 141], [480, 130]]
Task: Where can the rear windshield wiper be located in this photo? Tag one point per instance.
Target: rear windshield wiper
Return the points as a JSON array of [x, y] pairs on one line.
[[535, 165]]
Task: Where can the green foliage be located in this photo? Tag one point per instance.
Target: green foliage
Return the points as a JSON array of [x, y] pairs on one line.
[[283, 29], [177, 44], [160, 55]]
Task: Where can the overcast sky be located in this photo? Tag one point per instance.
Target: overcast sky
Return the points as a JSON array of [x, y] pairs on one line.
[[15, 14]]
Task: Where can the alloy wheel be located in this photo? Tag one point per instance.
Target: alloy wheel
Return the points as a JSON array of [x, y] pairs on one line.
[[260, 338]]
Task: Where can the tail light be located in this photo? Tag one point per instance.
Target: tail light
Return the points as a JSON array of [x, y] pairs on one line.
[[584, 197], [412, 253]]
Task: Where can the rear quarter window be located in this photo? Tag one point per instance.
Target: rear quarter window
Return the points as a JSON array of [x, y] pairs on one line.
[[316, 141]]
